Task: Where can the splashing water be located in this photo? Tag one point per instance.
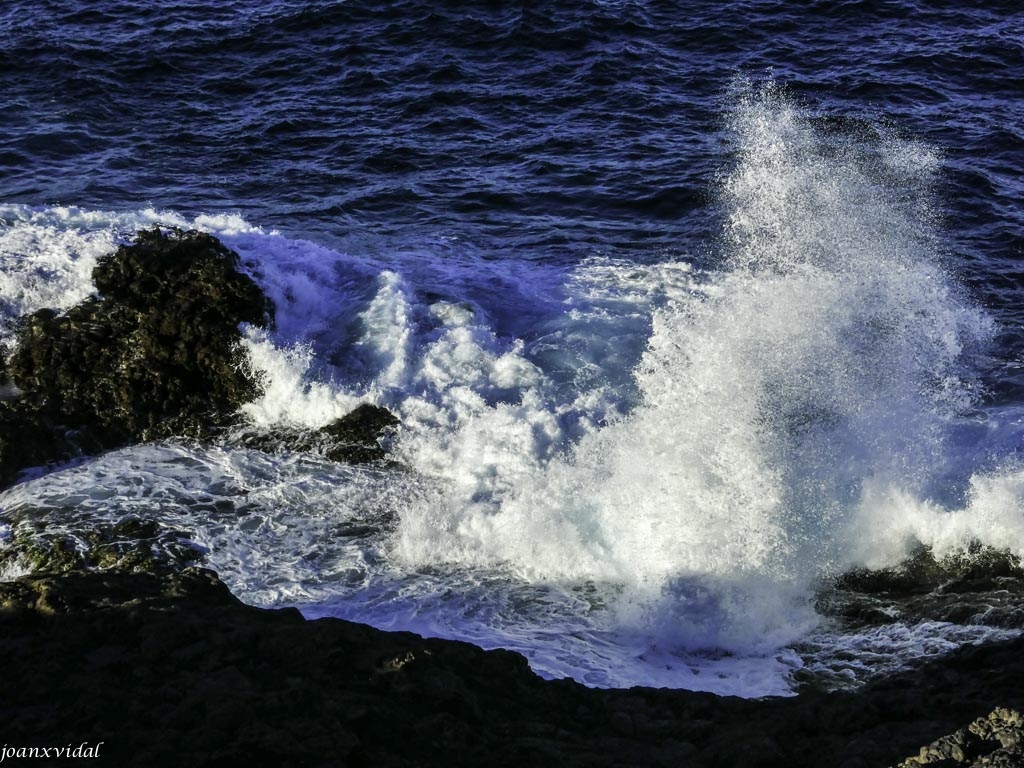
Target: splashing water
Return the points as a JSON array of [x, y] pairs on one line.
[[823, 363], [644, 480]]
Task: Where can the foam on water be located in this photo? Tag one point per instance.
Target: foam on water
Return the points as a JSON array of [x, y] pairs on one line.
[[44, 262], [632, 473], [839, 661]]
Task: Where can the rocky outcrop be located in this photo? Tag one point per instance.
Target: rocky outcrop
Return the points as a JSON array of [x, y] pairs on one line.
[[170, 669], [996, 741], [156, 353], [982, 585]]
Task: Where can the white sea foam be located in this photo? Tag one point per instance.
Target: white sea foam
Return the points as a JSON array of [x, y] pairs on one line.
[[889, 520], [45, 262], [848, 660]]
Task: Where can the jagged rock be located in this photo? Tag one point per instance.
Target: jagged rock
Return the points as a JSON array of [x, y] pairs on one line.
[[981, 585], [995, 740], [155, 354], [355, 438], [975, 569]]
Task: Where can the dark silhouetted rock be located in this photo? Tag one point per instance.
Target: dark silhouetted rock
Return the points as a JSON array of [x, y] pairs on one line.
[[169, 668], [155, 354]]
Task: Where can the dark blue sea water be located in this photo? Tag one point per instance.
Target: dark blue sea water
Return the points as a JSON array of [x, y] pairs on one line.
[[685, 308]]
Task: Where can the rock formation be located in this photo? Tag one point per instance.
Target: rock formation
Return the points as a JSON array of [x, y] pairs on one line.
[[355, 438], [169, 669], [155, 354]]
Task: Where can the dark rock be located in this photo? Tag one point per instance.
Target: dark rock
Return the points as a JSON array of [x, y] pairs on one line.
[[979, 586], [356, 438], [28, 438], [170, 668], [972, 570], [156, 354]]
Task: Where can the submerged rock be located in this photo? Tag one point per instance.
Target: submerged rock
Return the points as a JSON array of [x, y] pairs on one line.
[[155, 354], [358, 437], [129, 545]]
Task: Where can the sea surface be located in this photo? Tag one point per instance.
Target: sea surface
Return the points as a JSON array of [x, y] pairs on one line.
[[686, 308]]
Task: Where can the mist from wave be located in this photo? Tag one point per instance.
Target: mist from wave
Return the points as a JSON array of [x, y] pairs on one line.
[[774, 398]]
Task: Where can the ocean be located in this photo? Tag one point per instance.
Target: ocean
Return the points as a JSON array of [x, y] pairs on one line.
[[687, 309]]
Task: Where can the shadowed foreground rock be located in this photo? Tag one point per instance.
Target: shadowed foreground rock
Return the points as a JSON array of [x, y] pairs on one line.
[[170, 669]]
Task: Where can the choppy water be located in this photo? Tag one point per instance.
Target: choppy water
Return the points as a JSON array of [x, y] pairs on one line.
[[685, 310]]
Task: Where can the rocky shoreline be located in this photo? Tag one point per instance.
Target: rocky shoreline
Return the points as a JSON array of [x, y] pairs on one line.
[[117, 637], [171, 669]]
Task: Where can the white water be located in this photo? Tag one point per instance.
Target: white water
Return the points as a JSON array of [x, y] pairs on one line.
[[634, 474]]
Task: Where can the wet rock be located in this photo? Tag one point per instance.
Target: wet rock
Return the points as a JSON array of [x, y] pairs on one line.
[[130, 545], [155, 354], [981, 585], [972, 570], [30, 438], [358, 437]]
